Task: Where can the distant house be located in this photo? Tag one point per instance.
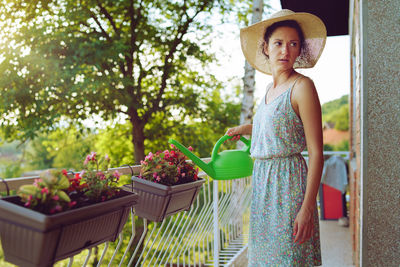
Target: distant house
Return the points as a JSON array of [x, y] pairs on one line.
[[334, 137]]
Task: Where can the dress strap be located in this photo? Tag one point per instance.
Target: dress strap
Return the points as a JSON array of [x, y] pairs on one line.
[[291, 88], [300, 76]]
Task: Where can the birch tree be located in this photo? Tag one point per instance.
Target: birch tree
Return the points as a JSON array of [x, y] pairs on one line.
[[246, 114]]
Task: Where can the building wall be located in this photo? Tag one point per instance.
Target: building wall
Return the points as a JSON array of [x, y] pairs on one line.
[[355, 130], [375, 168]]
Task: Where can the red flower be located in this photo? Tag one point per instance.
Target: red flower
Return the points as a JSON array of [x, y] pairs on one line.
[[45, 190]]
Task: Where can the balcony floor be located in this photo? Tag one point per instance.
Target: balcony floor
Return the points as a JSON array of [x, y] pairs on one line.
[[335, 246]]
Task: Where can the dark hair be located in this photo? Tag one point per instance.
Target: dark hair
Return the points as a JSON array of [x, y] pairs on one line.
[[284, 23]]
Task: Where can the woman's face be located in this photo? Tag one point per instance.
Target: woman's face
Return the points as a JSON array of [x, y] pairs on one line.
[[283, 48]]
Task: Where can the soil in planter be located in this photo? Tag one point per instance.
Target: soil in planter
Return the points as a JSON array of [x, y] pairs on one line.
[[82, 201]]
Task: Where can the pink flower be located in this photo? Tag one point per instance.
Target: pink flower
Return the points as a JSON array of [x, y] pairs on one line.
[[172, 146], [101, 176], [27, 204], [183, 174], [37, 181], [56, 198], [45, 190], [71, 204], [90, 157], [190, 148], [170, 163], [93, 156], [158, 178], [87, 160], [117, 175], [154, 175], [106, 157], [58, 208], [149, 157]]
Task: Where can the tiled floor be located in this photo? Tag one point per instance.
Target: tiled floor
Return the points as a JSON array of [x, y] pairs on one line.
[[335, 245]]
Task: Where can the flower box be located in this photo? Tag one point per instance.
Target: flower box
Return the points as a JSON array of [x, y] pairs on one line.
[[157, 201], [30, 238]]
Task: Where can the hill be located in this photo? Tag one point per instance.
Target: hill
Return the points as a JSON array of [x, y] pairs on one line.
[[336, 112]]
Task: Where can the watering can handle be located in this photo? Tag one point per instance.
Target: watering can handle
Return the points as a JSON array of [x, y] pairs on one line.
[[214, 154]]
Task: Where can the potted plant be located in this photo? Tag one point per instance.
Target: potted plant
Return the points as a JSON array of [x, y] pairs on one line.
[[61, 214], [167, 184]]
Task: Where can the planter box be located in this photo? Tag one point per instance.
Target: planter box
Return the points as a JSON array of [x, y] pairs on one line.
[[30, 238], [157, 201]]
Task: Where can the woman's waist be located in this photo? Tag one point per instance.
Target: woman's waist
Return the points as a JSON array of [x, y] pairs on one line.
[[278, 156]]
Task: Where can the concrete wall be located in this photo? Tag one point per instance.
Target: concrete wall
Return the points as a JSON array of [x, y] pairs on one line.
[[376, 135]]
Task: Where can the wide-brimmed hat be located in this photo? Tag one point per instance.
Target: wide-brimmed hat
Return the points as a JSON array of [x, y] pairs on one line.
[[252, 40]]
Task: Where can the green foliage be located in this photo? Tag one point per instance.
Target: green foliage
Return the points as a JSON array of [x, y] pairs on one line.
[[337, 112], [61, 148], [334, 105], [136, 59], [342, 146], [115, 141], [328, 147]]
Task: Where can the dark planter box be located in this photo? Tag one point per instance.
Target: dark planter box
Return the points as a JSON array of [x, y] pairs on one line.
[[30, 238], [157, 201]]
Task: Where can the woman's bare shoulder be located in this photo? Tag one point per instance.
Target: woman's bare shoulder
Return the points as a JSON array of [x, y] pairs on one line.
[[304, 93], [304, 87], [305, 83]]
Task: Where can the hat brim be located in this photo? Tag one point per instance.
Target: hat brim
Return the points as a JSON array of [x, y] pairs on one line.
[[252, 40]]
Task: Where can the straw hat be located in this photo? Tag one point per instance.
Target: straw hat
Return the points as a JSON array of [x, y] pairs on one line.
[[252, 40]]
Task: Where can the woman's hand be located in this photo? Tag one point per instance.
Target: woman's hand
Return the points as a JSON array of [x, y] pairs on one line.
[[303, 225], [235, 132]]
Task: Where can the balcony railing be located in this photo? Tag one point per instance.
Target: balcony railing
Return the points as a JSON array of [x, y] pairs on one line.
[[211, 233]]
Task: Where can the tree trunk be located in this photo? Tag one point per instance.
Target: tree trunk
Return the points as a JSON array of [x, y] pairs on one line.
[[246, 114], [138, 139]]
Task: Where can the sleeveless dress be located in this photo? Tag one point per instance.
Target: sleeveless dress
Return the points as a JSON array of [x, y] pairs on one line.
[[279, 185]]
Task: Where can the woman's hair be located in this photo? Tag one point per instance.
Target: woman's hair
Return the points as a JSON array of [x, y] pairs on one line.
[[284, 23]]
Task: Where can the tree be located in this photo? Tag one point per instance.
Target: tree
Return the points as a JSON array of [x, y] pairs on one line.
[[73, 60], [337, 112], [246, 115]]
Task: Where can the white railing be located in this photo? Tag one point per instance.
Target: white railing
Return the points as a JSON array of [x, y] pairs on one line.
[[212, 233]]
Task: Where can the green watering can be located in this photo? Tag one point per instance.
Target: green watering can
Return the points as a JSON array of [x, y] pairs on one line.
[[226, 165]]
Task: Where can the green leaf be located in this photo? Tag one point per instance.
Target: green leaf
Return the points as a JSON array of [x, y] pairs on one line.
[[63, 196], [28, 190], [63, 183]]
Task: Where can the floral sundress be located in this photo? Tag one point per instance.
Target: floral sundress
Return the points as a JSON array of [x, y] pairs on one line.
[[279, 185]]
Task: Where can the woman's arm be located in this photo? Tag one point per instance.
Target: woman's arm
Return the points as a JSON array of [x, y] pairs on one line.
[[307, 106]]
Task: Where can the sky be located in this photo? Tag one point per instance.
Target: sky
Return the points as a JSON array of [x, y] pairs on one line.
[[331, 74]]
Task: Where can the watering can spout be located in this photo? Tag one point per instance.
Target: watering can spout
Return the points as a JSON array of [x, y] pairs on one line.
[[204, 166]]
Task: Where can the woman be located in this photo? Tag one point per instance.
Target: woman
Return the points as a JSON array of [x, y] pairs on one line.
[[284, 226]]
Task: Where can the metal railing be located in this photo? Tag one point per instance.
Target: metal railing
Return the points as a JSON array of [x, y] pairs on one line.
[[212, 233]]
